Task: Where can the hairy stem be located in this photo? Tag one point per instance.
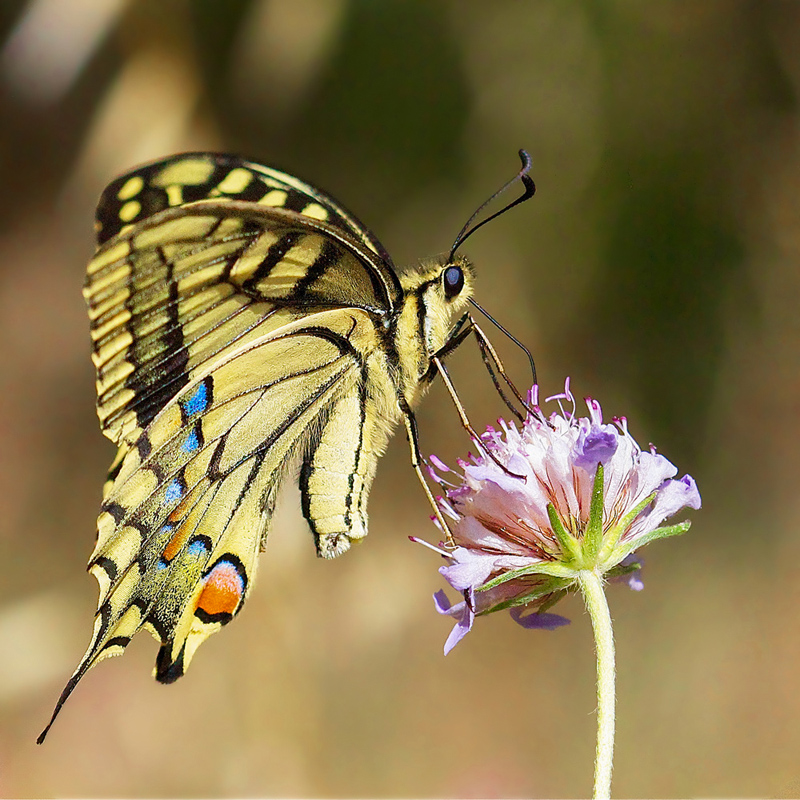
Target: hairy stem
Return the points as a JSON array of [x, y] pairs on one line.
[[592, 588]]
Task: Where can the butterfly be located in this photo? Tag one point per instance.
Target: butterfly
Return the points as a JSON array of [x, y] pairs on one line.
[[244, 323]]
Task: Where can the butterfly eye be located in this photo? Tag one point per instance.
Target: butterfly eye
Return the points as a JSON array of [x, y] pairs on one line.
[[453, 280]]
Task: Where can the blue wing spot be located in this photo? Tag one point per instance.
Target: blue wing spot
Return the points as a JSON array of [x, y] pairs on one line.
[[174, 491], [161, 564], [192, 442], [197, 401], [197, 548]]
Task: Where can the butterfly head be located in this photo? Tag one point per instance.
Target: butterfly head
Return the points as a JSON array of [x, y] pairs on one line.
[[435, 295]]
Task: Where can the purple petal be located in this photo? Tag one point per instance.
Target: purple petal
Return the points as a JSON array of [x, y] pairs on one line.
[[671, 498], [468, 569], [460, 630], [692, 494], [474, 539], [595, 447], [537, 619], [634, 581], [463, 614], [444, 606], [652, 470]]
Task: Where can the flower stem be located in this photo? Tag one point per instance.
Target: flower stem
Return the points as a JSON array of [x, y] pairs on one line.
[[592, 588]]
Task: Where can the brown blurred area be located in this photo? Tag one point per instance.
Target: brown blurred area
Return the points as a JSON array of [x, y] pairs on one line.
[[658, 265]]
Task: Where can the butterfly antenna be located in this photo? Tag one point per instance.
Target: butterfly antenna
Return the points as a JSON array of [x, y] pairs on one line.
[[530, 189], [510, 335]]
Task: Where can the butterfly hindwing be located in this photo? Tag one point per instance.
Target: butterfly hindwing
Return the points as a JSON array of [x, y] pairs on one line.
[[189, 509]]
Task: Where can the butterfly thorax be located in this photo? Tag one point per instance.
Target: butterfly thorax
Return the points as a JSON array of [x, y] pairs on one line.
[[424, 321]]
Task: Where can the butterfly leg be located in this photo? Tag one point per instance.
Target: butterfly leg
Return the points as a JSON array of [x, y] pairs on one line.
[[490, 357], [417, 461], [466, 326], [467, 425], [460, 331]]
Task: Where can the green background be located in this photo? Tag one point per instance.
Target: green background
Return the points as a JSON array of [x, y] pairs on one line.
[[657, 266]]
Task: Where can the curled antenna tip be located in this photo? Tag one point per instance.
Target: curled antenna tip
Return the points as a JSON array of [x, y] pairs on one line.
[[530, 189]]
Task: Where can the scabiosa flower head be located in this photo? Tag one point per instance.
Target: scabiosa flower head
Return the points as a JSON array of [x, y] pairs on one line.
[[538, 505]]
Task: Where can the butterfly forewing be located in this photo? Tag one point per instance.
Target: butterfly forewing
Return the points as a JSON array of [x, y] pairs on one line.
[[167, 297], [186, 178]]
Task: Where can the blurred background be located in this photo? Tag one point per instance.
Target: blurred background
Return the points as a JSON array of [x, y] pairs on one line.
[[657, 266]]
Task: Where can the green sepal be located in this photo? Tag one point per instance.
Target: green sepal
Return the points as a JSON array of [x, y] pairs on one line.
[[549, 568], [557, 589], [613, 534], [659, 533], [570, 546], [593, 536], [620, 570]]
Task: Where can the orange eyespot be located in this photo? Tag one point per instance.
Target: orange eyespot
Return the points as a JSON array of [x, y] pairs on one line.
[[222, 592]]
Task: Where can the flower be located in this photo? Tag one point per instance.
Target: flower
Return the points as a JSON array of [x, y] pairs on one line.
[[538, 505]]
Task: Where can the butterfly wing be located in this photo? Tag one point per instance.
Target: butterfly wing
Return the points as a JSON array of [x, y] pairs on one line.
[[188, 177], [170, 295]]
